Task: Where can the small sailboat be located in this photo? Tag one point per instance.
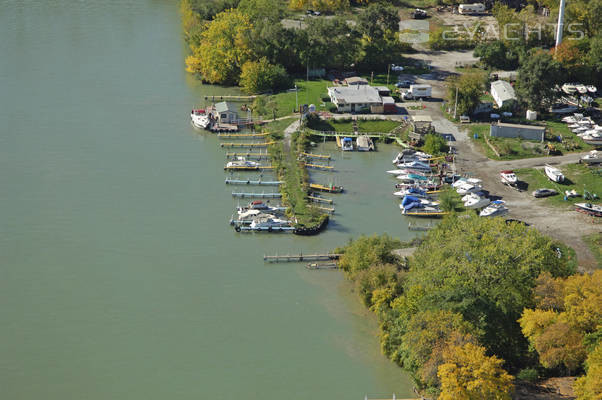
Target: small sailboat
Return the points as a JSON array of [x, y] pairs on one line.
[[554, 174], [592, 89], [495, 209]]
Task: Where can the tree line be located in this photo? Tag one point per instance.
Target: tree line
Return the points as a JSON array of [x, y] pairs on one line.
[[244, 42], [464, 315]]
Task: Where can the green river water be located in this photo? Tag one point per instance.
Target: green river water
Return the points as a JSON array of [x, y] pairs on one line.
[[119, 276]]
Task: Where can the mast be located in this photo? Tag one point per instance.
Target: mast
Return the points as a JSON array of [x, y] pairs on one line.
[[560, 23]]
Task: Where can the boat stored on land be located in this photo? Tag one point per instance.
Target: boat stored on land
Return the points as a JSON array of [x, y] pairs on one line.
[[589, 209], [508, 177], [553, 173], [594, 157], [495, 209], [475, 201]]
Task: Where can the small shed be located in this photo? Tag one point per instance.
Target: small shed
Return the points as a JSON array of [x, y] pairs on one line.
[[355, 80], [503, 93], [383, 90], [226, 112], [389, 106], [529, 132]]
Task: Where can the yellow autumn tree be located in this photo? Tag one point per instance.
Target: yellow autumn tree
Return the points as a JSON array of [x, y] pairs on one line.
[[223, 48], [589, 387], [468, 374], [320, 5], [568, 310]]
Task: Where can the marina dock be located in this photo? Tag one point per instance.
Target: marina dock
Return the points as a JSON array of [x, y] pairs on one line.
[[264, 229], [319, 199], [247, 168], [244, 144], [301, 257], [257, 182], [317, 156], [241, 135], [231, 98], [249, 155], [319, 166], [257, 195]]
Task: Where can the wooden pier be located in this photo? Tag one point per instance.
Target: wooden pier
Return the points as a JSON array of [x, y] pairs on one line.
[[319, 166], [318, 156], [231, 98], [241, 135], [244, 144], [247, 168], [328, 189], [249, 155], [320, 199], [301, 257], [257, 195], [257, 182]]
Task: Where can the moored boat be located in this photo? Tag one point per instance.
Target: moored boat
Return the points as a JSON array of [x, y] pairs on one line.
[[347, 144], [242, 163], [199, 119], [364, 143]]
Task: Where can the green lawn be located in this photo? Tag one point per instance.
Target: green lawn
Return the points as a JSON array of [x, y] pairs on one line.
[[515, 148], [309, 92], [577, 176], [279, 125], [345, 125], [377, 125], [594, 241]]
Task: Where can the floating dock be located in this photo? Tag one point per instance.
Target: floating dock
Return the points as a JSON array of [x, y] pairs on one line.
[[319, 199], [319, 166], [257, 182], [302, 257], [318, 156], [243, 144], [246, 168], [257, 195], [241, 135], [249, 155], [265, 229]]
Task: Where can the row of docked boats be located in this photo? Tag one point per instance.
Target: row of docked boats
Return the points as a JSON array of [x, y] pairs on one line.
[[585, 128], [260, 216], [578, 88]]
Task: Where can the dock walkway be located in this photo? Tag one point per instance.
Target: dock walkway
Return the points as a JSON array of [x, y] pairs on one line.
[[301, 257]]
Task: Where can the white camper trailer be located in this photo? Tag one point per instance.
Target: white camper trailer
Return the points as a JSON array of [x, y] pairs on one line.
[[471, 8], [417, 92]]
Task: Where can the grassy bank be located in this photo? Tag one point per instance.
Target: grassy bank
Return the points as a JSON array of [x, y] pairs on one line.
[[309, 92], [346, 125], [594, 241], [515, 148], [577, 176]]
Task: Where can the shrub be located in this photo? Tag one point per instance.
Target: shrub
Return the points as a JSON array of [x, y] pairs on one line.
[[261, 76], [528, 374]]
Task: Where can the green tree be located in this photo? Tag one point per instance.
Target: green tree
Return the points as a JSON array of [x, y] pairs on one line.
[[538, 74], [469, 88], [224, 48], [207, 9], [261, 76], [366, 251], [485, 270], [468, 374], [434, 144], [497, 55]]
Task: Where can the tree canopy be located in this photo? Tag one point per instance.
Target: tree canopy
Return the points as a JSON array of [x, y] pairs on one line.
[[538, 74], [469, 87]]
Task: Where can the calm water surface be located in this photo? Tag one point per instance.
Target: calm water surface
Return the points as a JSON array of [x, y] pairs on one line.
[[119, 277]]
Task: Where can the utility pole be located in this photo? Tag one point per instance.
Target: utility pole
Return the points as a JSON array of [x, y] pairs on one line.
[[456, 105], [296, 98], [560, 23], [388, 71]]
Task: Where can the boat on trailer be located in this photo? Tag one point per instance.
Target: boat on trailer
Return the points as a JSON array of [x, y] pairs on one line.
[[508, 177], [589, 209]]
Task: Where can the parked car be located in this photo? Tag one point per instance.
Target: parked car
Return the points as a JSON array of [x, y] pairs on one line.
[[464, 119], [419, 14], [404, 84], [544, 192]]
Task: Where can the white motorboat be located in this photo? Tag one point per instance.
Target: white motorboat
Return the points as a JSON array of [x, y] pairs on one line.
[[592, 89], [419, 165], [199, 119], [573, 126], [468, 188], [461, 181], [412, 178], [594, 157], [269, 223], [259, 205], [242, 163], [594, 139], [412, 191], [581, 88], [364, 143], [553, 173], [409, 155], [476, 201], [347, 144], [405, 171], [569, 88], [508, 177], [495, 209]]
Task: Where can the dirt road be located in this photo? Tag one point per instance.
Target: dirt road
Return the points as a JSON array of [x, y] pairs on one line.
[[564, 224]]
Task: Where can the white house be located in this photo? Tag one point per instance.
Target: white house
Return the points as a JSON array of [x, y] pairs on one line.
[[503, 93], [354, 98]]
